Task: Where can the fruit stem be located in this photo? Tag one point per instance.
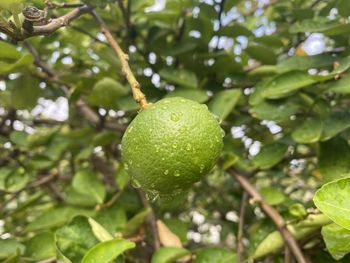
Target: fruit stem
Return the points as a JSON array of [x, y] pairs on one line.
[[138, 95]]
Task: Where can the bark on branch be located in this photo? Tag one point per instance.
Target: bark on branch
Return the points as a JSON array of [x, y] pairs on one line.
[[288, 238]]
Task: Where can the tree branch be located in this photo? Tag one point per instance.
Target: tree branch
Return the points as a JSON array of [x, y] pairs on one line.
[[151, 220], [138, 95], [59, 22], [240, 247], [273, 214]]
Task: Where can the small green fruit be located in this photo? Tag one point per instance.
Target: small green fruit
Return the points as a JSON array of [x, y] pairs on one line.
[[170, 145]]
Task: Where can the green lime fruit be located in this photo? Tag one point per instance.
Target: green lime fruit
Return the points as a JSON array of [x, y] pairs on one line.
[[170, 145]]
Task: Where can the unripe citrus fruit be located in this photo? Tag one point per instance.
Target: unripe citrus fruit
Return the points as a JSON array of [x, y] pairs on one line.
[[170, 145]]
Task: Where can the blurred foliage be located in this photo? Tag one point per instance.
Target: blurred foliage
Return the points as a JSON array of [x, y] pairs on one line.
[[276, 73]]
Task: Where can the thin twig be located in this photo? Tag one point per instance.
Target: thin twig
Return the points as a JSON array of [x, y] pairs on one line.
[[151, 220], [59, 22], [138, 95], [273, 214], [240, 247]]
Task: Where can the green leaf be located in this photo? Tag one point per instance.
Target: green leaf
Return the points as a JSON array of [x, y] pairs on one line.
[[135, 222], [341, 86], [272, 196], [25, 92], [112, 218], [55, 217], [122, 178], [10, 247], [8, 51], [334, 124], [334, 159], [234, 30], [99, 231], [343, 7], [107, 251], [215, 255], [337, 240], [333, 200], [41, 246], [16, 180], [320, 25], [106, 92], [274, 241], [192, 94], [305, 62], [270, 155], [75, 239], [262, 54], [287, 83], [87, 182], [224, 102], [181, 77], [278, 111], [169, 254], [178, 227], [24, 61], [309, 131]]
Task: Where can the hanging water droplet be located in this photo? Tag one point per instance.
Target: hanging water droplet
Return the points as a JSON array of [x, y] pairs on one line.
[[135, 183], [222, 133], [152, 195]]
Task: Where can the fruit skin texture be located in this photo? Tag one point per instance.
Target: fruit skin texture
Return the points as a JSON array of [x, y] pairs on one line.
[[170, 145]]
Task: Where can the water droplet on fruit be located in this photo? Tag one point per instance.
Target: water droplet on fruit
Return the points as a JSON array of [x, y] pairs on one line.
[[166, 172], [163, 159], [174, 117], [152, 195], [174, 146], [188, 147], [177, 173], [135, 183], [222, 133]]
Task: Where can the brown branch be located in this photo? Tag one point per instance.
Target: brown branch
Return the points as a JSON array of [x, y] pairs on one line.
[[273, 214], [138, 95], [151, 220], [240, 247], [59, 22]]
